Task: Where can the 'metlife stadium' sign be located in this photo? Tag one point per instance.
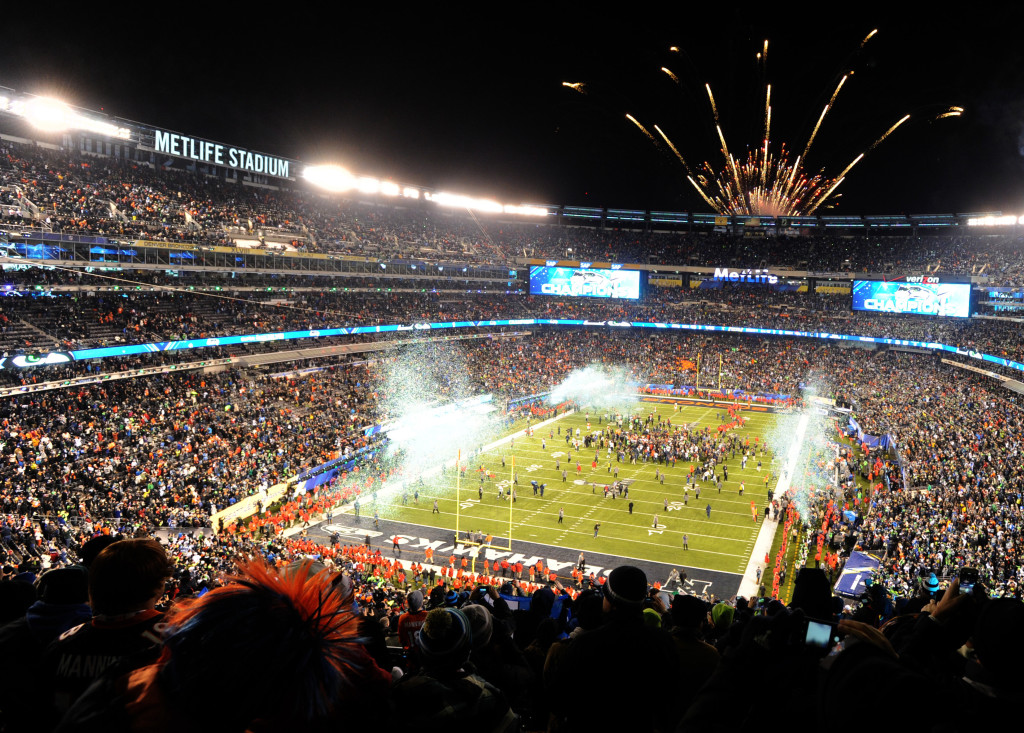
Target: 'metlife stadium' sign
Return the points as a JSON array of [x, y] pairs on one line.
[[204, 151], [761, 277]]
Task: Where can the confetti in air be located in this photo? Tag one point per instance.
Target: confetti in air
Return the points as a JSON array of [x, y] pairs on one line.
[[813, 478], [598, 387], [432, 411]]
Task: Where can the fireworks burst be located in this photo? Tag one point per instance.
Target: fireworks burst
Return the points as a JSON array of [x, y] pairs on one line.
[[768, 182]]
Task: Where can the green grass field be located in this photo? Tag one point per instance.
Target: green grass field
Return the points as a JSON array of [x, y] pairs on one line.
[[721, 542]]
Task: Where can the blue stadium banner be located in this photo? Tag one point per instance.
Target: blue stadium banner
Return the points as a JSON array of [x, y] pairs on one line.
[[23, 361]]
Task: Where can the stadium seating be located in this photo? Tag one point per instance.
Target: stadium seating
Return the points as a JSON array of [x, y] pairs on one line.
[[166, 453]]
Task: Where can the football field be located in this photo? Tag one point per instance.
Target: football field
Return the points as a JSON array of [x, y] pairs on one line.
[[722, 541]]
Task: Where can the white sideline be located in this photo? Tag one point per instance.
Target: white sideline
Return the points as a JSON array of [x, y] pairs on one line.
[[766, 535]]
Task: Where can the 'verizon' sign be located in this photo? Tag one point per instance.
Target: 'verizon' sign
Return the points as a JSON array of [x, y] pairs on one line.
[[761, 277], [204, 151]]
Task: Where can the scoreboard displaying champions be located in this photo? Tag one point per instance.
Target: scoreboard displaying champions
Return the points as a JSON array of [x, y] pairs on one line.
[[924, 295], [585, 282]]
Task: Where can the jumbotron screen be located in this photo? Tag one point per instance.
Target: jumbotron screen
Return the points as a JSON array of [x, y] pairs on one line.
[[928, 299], [588, 283]]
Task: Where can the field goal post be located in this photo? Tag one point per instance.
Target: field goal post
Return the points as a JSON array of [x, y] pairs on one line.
[[462, 537]]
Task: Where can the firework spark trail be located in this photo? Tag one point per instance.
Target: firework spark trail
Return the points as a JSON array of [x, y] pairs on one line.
[[887, 133], [767, 125], [828, 193], [577, 86], [671, 75], [821, 119], [714, 107], [701, 192], [643, 129], [674, 150], [868, 37]]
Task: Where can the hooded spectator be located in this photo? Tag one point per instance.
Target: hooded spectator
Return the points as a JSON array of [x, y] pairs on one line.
[[445, 694], [220, 642], [640, 660]]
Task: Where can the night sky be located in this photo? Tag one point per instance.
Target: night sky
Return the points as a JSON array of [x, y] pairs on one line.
[[472, 103]]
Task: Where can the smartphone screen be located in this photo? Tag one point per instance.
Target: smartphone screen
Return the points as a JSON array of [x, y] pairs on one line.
[[968, 577], [819, 635]]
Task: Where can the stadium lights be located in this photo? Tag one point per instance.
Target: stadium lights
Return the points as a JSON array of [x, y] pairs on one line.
[[526, 210], [53, 115], [443, 198], [331, 177], [338, 180], [48, 115], [995, 221], [368, 185]]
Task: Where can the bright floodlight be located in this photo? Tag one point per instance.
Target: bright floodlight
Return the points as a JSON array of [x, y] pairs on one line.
[[525, 210], [49, 115], [443, 198], [995, 221], [368, 185], [331, 177]]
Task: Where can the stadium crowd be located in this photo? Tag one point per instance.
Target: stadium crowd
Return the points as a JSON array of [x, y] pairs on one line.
[[217, 410], [119, 199], [77, 320], [109, 647], [109, 629]]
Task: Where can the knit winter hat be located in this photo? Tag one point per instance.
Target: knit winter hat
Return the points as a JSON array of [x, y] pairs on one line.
[[446, 639], [626, 587], [415, 600], [65, 585], [652, 618], [481, 624], [722, 615]]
